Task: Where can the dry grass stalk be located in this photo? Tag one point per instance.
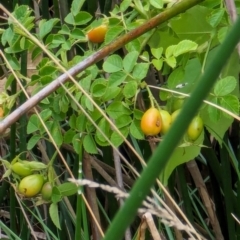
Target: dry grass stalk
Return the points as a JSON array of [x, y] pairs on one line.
[[151, 226], [148, 206], [142, 230]]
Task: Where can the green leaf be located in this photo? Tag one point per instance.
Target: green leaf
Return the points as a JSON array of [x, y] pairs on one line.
[[213, 127], [9, 81], [47, 70], [225, 86], [64, 30], [113, 64], [137, 114], [116, 139], [98, 90], [101, 143], [26, 44], [140, 71], [13, 61], [6, 174], [7, 36], [130, 60], [116, 78], [113, 33], [77, 143], [215, 17], [130, 89], [171, 61], [68, 136], [81, 122], [179, 156], [214, 113], [123, 121], [56, 195], [46, 27], [117, 109], [169, 51], [88, 103], [67, 189], [192, 25], [135, 129], [56, 133], [157, 52], [89, 144], [125, 4], [222, 33], [231, 103], [85, 83], [33, 141], [76, 6], [58, 39], [33, 124], [111, 93], [72, 121], [105, 128], [157, 3], [163, 95], [184, 47], [80, 19], [157, 63], [53, 212], [134, 45], [145, 56], [176, 77], [77, 34]]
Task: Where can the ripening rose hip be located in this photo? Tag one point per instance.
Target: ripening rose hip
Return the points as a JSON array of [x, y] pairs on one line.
[[195, 128], [166, 121], [97, 35], [31, 185], [151, 122]]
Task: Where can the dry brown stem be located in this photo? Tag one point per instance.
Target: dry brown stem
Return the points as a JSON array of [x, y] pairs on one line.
[[198, 180]]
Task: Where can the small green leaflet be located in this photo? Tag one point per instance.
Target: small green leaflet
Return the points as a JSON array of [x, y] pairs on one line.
[[184, 47], [140, 71], [176, 77], [117, 109], [214, 113], [135, 130], [33, 141], [130, 60], [89, 144], [157, 63], [116, 139], [157, 3], [215, 17], [181, 48], [46, 27], [130, 89], [231, 103], [53, 211], [171, 61], [113, 33], [113, 64], [67, 189], [225, 86], [157, 52]]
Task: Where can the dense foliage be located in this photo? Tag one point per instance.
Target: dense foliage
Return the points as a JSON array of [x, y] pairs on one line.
[[89, 106]]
